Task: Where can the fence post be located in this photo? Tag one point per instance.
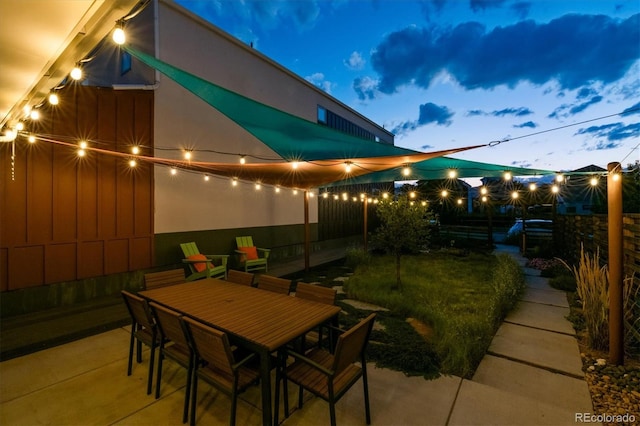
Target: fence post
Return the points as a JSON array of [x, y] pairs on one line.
[[615, 260]]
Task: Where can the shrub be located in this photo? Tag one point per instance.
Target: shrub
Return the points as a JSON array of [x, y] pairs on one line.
[[356, 257], [508, 284], [592, 285], [564, 282]]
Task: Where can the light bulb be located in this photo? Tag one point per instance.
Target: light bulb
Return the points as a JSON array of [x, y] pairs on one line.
[[76, 73], [515, 195], [242, 159], [616, 177], [174, 171], [347, 167], [412, 194], [34, 114], [234, 182], [452, 174], [507, 176], [81, 153], [335, 197], [187, 155], [484, 190], [532, 187], [119, 36], [444, 193], [258, 186], [406, 171], [135, 150], [559, 178], [132, 163], [594, 181], [295, 192], [294, 165], [310, 194], [555, 189], [53, 99], [385, 195], [277, 189], [325, 195], [459, 201], [206, 178], [83, 144], [32, 139], [484, 199]]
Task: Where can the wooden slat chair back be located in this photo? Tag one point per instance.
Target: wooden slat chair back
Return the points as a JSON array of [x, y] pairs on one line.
[[172, 331], [215, 363], [240, 277], [318, 294], [330, 376], [274, 284], [163, 278], [252, 265], [143, 330], [215, 265]]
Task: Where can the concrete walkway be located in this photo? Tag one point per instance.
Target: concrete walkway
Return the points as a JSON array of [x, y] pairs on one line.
[[533, 371], [531, 375]]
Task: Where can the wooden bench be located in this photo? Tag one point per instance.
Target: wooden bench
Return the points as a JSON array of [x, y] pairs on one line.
[[164, 278]]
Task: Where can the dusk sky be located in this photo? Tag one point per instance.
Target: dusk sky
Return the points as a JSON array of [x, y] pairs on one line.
[[449, 73]]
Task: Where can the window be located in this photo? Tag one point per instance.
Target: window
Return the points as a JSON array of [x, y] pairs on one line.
[[125, 62], [322, 115]]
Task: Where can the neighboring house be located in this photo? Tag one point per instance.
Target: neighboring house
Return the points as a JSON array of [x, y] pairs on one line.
[[578, 196], [78, 221]]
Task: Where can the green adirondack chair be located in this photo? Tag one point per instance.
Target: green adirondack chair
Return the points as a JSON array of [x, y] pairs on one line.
[[250, 257], [204, 266]]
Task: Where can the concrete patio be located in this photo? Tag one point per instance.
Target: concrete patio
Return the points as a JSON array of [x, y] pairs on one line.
[[531, 375]]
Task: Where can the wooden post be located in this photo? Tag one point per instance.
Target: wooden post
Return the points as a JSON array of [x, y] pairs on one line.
[[616, 319], [307, 232], [366, 207]]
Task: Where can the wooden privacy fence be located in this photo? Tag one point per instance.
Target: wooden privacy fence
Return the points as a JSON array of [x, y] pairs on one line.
[[572, 231]]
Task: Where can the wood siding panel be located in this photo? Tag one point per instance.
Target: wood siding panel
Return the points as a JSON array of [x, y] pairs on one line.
[[65, 218], [141, 252], [40, 195], [116, 256], [60, 263], [90, 259], [26, 267]]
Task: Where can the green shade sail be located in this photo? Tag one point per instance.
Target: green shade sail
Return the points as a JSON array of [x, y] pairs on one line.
[[297, 139]]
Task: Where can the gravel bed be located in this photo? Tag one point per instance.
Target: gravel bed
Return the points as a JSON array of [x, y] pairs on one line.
[[615, 390]]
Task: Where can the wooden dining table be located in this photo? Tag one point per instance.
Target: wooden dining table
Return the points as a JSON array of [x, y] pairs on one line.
[[258, 320]]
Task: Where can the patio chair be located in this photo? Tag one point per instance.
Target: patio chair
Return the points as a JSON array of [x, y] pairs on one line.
[[330, 376], [204, 265], [250, 257], [143, 330], [215, 363], [163, 279], [274, 284], [318, 294], [174, 345], [239, 277]]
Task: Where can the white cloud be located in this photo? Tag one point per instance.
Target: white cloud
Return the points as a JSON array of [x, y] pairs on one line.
[[355, 61], [318, 80]]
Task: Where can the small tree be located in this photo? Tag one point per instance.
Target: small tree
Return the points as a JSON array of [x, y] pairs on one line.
[[404, 228]]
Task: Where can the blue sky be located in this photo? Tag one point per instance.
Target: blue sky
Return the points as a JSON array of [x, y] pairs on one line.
[[450, 73]]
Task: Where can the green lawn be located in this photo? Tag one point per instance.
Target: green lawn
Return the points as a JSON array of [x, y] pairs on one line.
[[461, 298]]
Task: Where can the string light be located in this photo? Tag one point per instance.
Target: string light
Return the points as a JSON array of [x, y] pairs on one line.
[[174, 171], [533, 187], [34, 114], [234, 181], [76, 73], [53, 99], [347, 166], [132, 163], [616, 177], [385, 195], [242, 159], [452, 174], [336, 197], [484, 190], [83, 144], [310, 194], [20, 126], [295, 192], [119, 37], [444, 193], [559, 178], [507, 176], [135, 150], [187, 155], [459, 201], [31, 139], [206, 178], [294, 165], [515, 195], [406, 170], [81, 152], [258, 186], [555, 189], [484, 198], [412, 194], [593, 181], [277, 189], [325, 194]]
